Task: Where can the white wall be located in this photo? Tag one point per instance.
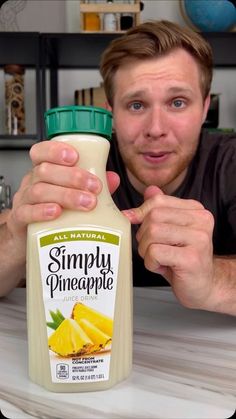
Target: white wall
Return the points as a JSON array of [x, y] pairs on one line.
[[42, 16], [63, 16]]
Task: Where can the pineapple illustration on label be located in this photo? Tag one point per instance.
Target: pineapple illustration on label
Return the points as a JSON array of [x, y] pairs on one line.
[[70, 339], [80, 335], [104, 323], [99, 339]]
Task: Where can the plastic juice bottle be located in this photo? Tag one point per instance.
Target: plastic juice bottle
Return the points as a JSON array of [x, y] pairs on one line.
[[79, 275]]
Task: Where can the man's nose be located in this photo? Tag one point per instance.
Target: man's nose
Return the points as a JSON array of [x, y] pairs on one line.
[[156, 123]]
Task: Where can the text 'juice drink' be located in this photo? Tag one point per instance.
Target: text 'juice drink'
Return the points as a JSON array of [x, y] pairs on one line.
[[79, 274]]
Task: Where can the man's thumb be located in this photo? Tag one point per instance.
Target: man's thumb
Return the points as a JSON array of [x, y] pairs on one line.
[[151, 191], [137, 215]]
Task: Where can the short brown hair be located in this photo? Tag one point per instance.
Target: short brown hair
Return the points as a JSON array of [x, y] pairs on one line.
[[152, 39]]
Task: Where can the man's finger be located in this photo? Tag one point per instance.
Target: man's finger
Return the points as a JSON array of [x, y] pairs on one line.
[[113, 180], [53, 152], [137, 215]]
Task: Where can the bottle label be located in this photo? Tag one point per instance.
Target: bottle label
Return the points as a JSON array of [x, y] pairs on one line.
[[79, 270]]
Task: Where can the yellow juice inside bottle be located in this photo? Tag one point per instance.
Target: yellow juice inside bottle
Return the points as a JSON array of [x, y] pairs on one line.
[[79, 289]]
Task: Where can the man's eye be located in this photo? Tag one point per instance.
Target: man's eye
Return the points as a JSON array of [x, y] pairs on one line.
[[178, 103], [136, 106]]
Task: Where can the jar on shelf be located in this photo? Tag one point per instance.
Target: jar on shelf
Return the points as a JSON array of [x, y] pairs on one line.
[[110, 20], [14, 99], [126, 19], [91, 20]]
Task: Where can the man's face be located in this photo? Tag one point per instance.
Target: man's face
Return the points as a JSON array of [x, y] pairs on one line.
[[158, 112]]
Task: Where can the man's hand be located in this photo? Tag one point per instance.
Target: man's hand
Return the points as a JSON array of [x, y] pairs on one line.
[[175, 240], [55, 182]]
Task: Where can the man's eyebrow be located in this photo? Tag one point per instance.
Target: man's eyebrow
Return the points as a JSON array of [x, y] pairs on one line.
[[179, 89], [134, 94]]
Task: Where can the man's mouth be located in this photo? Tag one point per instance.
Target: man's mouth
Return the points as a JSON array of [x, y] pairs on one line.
[[155, 158]]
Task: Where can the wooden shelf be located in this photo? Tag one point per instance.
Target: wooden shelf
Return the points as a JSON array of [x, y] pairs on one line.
[[116, 8], [118, 32], [110, 8]]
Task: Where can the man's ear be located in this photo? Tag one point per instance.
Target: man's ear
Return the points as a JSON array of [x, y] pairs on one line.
[[206, 105], [107, 106]]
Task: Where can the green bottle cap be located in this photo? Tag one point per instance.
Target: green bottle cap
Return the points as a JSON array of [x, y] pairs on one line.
[[78, 119]]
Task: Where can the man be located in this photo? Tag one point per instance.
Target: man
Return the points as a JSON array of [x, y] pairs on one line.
[[176, 183]]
